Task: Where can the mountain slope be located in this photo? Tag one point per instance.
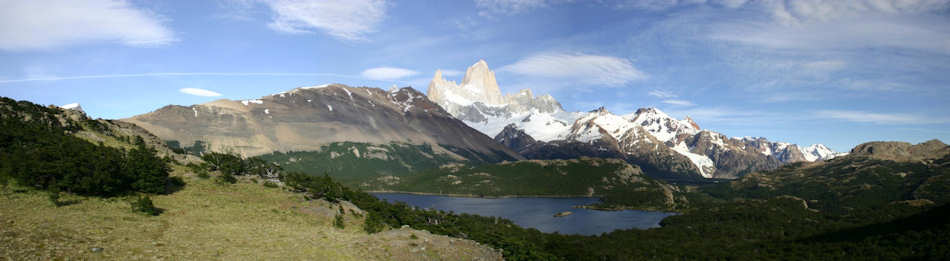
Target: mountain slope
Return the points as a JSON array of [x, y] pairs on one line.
[[307, 118]]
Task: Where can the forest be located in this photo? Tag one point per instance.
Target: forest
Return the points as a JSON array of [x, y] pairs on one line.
[[37, 150]]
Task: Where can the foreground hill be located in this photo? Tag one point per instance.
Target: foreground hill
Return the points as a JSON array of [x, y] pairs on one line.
[[209, 221]]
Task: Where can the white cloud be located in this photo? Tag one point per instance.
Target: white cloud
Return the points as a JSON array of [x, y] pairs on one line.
[[42, 24], [387, 73], [587, 69], [661, 94], [679, 102], [344, 19], [879, 118], [199, 92]]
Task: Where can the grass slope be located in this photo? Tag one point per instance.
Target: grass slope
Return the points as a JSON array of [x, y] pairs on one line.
[[203, 221]]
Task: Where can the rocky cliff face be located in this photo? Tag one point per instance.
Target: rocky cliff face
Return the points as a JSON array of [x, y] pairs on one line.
[[304, 119]]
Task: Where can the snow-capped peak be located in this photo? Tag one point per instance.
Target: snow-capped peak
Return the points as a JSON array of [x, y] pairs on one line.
[[819, 152], [660, 125]]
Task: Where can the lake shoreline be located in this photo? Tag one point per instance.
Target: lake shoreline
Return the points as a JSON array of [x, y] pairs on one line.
[[545, 213], [592, 206], [478, 196]]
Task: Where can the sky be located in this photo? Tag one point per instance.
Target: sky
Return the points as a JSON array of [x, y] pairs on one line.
[[803, 71]]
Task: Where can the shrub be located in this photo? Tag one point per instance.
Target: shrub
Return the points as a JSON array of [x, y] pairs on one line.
[[144, 205], [338, 221], [226, 178], [54, 197], [270, 184], [373, 223]]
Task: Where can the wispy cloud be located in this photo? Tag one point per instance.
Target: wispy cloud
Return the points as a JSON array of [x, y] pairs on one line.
[[172, 74], [661, 94], [581, 68], [348, 20], [199, 92], [388, 73], [678, 102], [843, 25], [508, 7], [732, 116], [824, 65], [42, 24], [880, 118]]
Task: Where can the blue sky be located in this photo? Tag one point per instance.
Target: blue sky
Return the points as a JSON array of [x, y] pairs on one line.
[[806, 71]]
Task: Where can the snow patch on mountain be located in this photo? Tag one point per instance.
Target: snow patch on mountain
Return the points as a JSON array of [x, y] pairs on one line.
[[702, 162], [248, 102]]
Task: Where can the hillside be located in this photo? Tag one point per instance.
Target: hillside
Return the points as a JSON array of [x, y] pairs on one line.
[[357, 163], [209, 221], [859, 180]]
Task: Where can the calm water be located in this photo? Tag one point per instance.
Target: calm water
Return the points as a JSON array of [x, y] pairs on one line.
[[539, 212]]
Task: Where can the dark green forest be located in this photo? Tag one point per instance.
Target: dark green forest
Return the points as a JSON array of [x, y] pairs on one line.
[[37, 150]]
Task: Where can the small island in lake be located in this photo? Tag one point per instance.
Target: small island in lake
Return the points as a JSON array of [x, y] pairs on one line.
[[562, 214]]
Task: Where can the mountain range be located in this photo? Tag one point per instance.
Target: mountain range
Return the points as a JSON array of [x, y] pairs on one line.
[[470, 121], [539, 128]]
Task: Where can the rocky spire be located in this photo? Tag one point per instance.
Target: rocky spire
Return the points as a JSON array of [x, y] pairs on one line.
[[478, 85]]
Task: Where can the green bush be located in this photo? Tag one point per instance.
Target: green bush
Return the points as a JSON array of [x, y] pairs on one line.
[[225, 178], [338, 221], [270, 184], [144, 205], [373, 223], [54, 196]]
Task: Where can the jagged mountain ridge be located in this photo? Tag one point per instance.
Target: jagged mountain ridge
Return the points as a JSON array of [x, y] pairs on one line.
[[538, 127], [307, 118]]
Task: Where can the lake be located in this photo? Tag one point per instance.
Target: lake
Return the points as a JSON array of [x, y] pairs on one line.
[[538, 212]]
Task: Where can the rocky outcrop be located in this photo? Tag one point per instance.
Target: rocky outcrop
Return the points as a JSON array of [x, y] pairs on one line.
[[902, 151], [514, 138]]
